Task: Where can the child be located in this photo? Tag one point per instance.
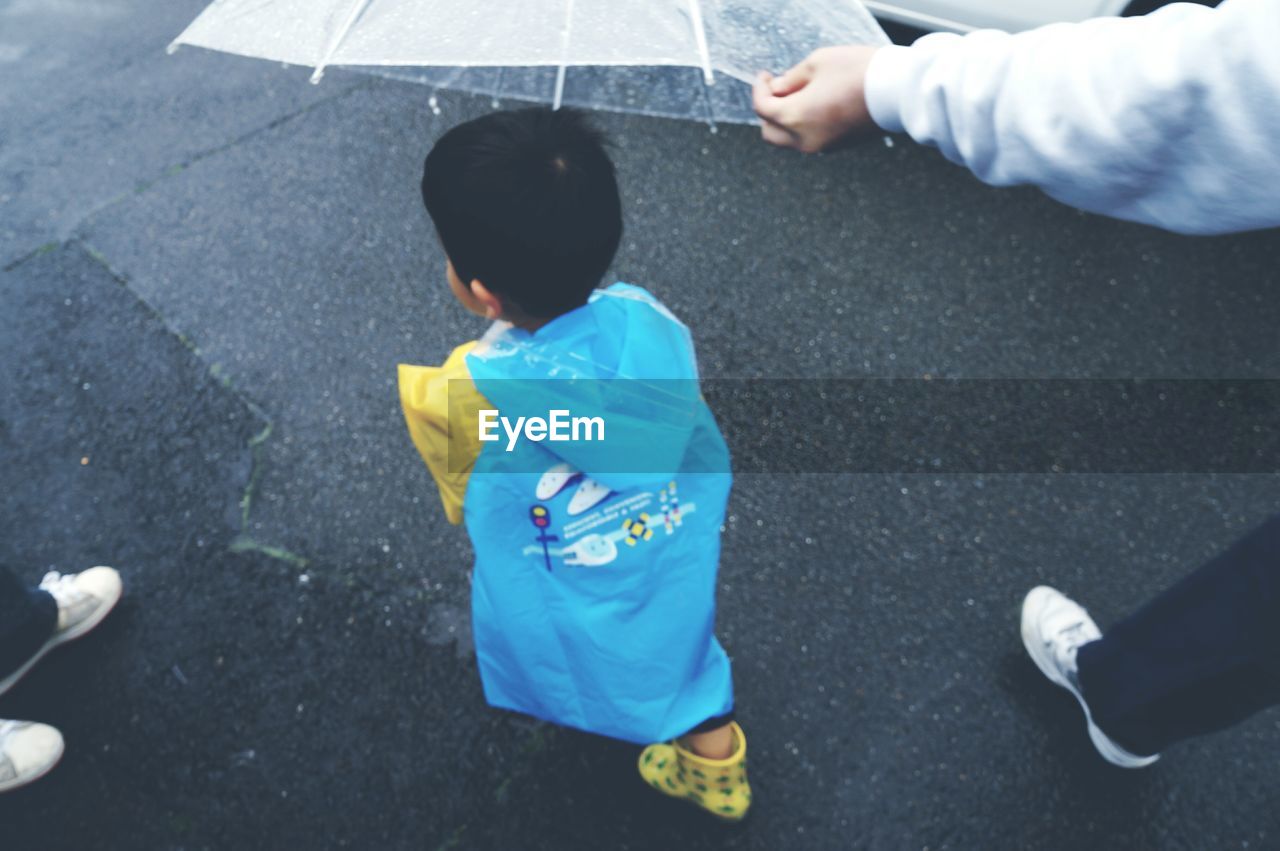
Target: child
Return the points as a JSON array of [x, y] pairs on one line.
[[593, 592]]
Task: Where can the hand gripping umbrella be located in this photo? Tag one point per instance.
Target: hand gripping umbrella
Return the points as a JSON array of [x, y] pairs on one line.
[[681, 58]]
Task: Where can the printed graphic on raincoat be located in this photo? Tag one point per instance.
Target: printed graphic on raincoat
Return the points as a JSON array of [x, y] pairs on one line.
[[593, 594]]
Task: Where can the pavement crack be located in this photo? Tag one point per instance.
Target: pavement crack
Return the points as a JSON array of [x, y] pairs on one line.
[[243, 542], [35, 252], [255, 449], [177, 168], [454, 839]]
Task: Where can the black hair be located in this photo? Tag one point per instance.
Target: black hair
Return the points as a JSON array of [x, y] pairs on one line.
[[527, 202]]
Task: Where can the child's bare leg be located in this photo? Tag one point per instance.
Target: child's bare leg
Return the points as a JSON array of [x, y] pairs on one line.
[[712, 744]]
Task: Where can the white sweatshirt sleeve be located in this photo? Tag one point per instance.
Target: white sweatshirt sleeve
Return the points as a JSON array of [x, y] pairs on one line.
[[1172, 119]]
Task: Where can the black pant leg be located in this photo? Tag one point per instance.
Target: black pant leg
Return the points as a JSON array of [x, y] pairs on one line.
[[1200, 657], [27, 618]]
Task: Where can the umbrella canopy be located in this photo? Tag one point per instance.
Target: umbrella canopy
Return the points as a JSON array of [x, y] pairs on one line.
[[683, 58]]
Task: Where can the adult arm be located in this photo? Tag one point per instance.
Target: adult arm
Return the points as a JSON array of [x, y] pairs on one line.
[[1172, 119]]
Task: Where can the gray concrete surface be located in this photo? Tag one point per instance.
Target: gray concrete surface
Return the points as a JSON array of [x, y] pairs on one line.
[[233, 261]]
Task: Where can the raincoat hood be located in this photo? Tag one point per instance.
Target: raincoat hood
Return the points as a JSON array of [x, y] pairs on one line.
[[622, 360]]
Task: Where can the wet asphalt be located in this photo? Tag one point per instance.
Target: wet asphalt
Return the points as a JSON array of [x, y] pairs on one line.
[[211, 269]]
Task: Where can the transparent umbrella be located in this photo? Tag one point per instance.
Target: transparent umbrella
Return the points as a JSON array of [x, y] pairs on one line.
[[681, 58]]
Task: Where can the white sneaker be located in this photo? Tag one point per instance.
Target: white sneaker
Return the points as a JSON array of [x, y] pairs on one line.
[[83, 599], [28, 751], [1054, 628]]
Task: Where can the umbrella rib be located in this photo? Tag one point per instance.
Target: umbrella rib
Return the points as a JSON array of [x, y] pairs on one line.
[[564, 55], [700, 35], [356, 9]]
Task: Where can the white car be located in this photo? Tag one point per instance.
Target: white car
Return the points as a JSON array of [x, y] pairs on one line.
[[1009, 15]]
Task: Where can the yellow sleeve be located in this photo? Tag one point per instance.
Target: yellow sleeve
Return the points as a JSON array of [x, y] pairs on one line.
[[441, 407]]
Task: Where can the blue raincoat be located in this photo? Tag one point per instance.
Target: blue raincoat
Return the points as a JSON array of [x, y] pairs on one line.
[[593, 594]]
